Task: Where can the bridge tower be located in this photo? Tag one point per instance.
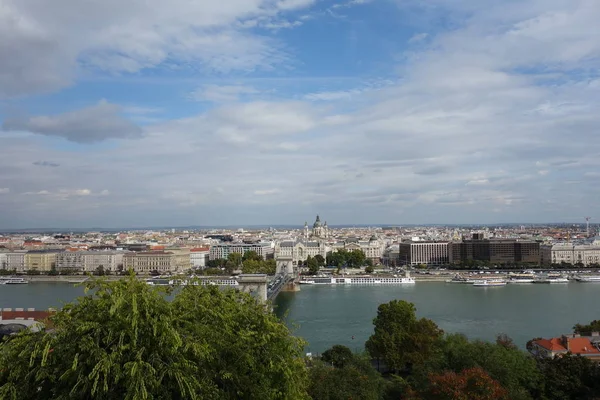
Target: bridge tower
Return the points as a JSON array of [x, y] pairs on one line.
[[255, 284], [285, 265]]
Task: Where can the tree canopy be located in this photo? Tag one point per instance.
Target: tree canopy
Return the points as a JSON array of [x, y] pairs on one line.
[[587, 329], [401, 339], [343, 258], [126, 340], [470, 384]]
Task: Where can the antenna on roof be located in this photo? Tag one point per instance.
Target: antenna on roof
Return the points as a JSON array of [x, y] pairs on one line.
[[587, 223]]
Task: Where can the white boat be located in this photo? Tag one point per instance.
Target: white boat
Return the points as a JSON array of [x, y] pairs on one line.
[[590, 278], [460, 279], [358, 280], [13, 281], [551, 279], [521, 278], [489, 282]]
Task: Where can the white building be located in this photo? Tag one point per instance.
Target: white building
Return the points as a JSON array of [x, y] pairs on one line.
[[569, 253], [70, 260], [199, 256], [3, 261], [222, 250], [299, 250], [16, 260], [425, 252], [109, 260]]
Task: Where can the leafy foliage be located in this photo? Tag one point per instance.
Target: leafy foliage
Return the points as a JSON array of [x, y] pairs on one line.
[[338, 356], [570, 377], [313, 265], [514, 369], [127, 341], [587, 329], [355, 380], [470, 384], [400, 338], [344, 258]]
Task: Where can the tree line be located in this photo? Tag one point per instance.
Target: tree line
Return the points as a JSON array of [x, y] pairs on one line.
[[249, 263], [128, 340]]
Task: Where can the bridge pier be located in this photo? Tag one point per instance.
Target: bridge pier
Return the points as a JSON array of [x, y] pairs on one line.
[[255, 284]]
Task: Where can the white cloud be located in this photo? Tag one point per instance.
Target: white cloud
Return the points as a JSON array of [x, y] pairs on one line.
[[266, 192], [87, 125], [4, 190], [43, 44]]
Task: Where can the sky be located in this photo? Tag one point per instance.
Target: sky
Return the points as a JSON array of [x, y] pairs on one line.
[[121, 113]]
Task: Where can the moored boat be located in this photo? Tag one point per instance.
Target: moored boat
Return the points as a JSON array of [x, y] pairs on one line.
[[489, 282], [588, 278], [13, 281], [460, 279]]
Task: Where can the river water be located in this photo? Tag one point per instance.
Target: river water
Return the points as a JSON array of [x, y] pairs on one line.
[[327, 315]]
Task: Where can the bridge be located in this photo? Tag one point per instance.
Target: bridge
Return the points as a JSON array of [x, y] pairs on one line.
[[265, 287]]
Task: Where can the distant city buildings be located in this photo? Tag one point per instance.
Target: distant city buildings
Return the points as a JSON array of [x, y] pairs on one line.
[[222, 250]]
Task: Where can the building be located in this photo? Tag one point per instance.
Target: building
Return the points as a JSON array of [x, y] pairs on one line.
[[319, 231], [3, 260], [298, 251], [40, 260], [108, 260], [70, 260], [495, 251], [424, 252], [585, 254], [16, 260], [585, 346], [150, 261], [222, 250], [199, 256], [182, 257]]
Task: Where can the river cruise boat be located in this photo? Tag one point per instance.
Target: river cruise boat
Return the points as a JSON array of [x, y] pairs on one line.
[[13, 281], [551, 279], [489, 283], [357, 280], [521, 278], [460, 279], [588, 278]]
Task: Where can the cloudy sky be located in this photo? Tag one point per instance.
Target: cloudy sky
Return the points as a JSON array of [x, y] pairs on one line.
[[119, 113]]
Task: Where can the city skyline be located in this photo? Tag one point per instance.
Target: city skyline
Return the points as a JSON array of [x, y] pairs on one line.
[[253, 112]]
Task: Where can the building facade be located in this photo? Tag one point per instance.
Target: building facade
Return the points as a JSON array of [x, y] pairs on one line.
[[70, 260], [40, 260], [425, 252], [108, 260], [299, 250], [199, 257], [496, 251], [16, 260], [586, 254], [150, 261], [222, 250]]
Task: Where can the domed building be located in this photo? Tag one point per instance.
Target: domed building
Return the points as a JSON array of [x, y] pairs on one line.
[[320, 231]]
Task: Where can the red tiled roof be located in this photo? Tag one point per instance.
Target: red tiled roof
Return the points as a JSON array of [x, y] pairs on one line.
[[200, 249], [553, 344], [582, 345]]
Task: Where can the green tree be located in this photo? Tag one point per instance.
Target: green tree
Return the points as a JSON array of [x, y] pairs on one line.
[[357, 380], [401, 339], [252, 255], [356, 258], [53, 271], [127, 341], [587, 329], [320, 260], [100, 271], [369, 269], [338, 356], [236, 259], [313, 265], [570, 377], [514, 369]]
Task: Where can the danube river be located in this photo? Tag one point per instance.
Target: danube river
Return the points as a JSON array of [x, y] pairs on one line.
[[328, 315]]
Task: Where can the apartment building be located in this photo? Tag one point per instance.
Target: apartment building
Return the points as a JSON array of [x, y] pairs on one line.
[[40, 260], [16, 260], [425, 252], [109, 260], [149, 261], [299, 251], [222, 250], [70, 260]]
